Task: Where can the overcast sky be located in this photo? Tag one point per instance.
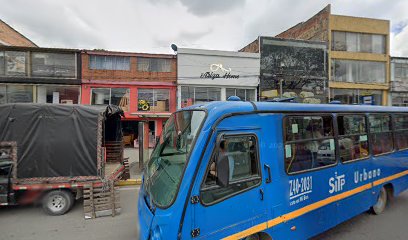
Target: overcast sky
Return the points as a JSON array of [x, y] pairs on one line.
[[152, 25]]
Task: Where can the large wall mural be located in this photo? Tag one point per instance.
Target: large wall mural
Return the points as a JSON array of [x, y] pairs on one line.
[[292, 68]]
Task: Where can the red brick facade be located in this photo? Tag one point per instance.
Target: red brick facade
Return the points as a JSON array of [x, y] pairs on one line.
[[135, 81], [315, 29]]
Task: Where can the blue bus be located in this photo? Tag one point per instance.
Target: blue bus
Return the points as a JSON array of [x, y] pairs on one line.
[[259, 170]]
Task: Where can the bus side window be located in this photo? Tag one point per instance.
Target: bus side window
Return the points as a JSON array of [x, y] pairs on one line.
[[401, 131], [381, 133], [353, 139], [244, 170], [309, 143]]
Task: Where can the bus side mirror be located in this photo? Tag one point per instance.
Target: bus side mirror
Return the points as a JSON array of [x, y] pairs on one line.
[[222, 171]]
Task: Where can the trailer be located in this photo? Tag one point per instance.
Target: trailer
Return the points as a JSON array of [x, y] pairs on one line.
[[50, 153]]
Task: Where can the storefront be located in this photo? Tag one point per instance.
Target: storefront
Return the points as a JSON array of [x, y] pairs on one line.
[[39, 93], [356, 96], [140, 102], [207, 75]]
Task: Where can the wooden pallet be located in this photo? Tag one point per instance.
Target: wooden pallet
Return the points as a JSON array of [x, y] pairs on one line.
[[114, 151], [101, 201], [126, 171]]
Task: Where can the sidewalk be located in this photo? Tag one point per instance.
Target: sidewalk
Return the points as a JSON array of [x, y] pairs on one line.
[[135, 172]]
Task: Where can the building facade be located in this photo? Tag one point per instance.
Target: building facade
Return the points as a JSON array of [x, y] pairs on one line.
[[209, 75], [292, 69], [11, 37], [358, 55], [39, 75], [399, 82], [143, 85]]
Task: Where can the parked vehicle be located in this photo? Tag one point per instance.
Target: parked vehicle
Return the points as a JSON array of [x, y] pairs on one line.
[[49, 152], [258, 170]]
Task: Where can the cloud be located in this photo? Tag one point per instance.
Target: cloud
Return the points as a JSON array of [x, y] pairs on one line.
[[152, 25], [211, 7], [399, 27]]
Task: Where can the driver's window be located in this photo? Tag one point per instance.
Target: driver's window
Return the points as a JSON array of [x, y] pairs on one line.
[[243, 161]]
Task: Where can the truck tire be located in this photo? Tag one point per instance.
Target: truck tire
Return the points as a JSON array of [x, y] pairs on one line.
[[57, 202]]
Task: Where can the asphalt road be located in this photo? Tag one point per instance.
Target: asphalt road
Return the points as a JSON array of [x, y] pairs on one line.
[[30, 223]]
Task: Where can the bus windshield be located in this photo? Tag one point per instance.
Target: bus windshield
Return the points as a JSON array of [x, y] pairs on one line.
[[164, 170]]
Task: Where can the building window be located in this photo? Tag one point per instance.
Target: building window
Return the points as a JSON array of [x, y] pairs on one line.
[[97, 62], [153, 100], [381, 133], [244, 94], [399, 99], [358, 42], [309, 143], [356, 96], [15, 63], [401, 131], [2, 64], [196, 95], [57, 94], [358, 71], [153, 64], [400, 71], [114, 96], [16, 94], [53, 65], [339, 42]]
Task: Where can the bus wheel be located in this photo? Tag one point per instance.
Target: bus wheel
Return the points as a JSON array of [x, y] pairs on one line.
[[253, 237], [57, 202], [379, 206]]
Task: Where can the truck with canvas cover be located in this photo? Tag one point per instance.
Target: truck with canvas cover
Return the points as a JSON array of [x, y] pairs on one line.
[[49, 152]]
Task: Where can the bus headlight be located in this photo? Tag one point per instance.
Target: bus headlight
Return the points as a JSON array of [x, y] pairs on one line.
[[156, 233]]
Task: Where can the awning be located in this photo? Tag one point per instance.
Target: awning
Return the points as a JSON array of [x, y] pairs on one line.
[[151, 115]]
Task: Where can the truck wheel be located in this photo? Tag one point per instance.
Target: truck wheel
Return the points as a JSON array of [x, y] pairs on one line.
[[379, 206], [57, 202]]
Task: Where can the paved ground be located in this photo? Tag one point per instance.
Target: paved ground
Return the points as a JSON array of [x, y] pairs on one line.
[[30, 223], [133, 155], [392, 224]]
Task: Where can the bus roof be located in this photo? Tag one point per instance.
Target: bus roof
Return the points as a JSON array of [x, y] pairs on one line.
[[226, 107]]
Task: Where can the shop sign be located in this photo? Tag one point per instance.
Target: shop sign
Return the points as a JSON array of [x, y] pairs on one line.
[[218, 71]]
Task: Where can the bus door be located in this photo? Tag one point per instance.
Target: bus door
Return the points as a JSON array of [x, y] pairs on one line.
[[231, 196]]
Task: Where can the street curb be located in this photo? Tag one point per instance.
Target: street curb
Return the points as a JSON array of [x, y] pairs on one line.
[[130, 182]]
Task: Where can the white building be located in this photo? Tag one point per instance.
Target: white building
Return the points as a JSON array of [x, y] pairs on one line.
[[209, 75]]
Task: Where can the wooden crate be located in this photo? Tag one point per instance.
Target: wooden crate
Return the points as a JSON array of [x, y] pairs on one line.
[[101, 201]]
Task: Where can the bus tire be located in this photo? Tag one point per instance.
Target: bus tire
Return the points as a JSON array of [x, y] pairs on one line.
[[253, 237], [381, 203], [57, 202]]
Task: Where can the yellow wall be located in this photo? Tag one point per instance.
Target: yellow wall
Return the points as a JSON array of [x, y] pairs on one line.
[[360, 25]]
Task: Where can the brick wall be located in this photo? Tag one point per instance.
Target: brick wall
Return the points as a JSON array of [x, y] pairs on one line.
[[253, 47], [316, 28], [133, 74], [10, 37]]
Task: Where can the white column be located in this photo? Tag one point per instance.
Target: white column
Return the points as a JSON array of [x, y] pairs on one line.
[[178, 97], [223, 94]]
